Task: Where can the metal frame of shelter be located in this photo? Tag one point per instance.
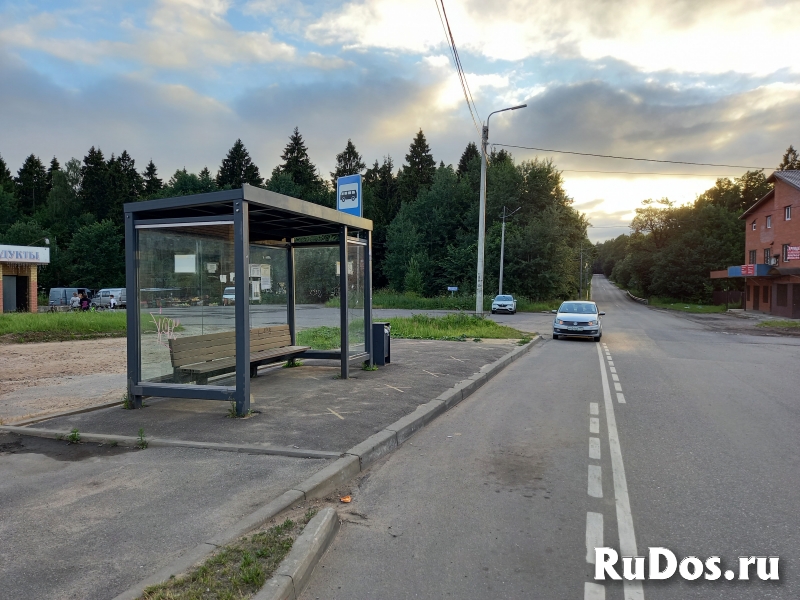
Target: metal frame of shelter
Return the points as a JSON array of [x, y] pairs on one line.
[[256, 215]]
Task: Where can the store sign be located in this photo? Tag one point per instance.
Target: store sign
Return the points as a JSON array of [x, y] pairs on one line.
[[24, 254], [793, 253], [748, 270]]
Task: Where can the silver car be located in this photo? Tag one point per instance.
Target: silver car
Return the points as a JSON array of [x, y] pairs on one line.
[[577, 318]]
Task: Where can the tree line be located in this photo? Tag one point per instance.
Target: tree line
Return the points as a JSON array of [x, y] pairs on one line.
[[672, 249], [425, 214]]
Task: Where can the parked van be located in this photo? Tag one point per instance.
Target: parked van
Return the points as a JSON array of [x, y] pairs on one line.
[[103, 297], [62, 296]]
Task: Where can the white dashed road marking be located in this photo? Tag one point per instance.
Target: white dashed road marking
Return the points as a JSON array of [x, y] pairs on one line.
[[594, 408], [620, 398], [596, 483], [617, 386], [594, 425], [594, 448], [594, 534], [594, 591], [627, 537]]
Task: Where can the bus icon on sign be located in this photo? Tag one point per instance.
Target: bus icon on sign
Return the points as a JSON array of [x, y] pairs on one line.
[[348, 195]]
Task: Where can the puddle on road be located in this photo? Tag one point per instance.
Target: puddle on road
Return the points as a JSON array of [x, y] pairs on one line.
[[11, 443]]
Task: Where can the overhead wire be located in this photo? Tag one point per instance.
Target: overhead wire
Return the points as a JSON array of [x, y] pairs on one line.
[[462, 78], [655, 160]]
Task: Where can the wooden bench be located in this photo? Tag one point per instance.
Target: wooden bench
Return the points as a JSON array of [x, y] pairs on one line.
[[199, 357]]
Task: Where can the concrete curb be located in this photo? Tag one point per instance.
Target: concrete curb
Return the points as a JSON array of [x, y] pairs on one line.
[[294, 573], [131, 441], [67, 413], [321, 483]]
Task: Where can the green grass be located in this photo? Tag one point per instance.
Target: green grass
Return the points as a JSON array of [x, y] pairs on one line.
[[51, 327], [450, 327], [686, 306], [235, 571], [388, 299], [779, 323], [459, 327]]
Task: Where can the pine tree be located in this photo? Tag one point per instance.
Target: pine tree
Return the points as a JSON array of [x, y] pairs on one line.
[[54, 166], [207, 183], [124, 184], [152, 184], [31, 185], [297, 163], [791, 161], [348, 162], [417, 173], [94, 175], [237, 168], [470, 153], [6, 181]]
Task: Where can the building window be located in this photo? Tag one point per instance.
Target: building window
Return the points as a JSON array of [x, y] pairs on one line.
[[766, 255], [765, 295], [752, 257], [782, 295], [785, 252], [769, 222], [754, 224], [787, 213]]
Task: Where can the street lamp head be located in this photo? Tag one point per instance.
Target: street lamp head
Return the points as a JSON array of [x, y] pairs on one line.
[[520, 106]]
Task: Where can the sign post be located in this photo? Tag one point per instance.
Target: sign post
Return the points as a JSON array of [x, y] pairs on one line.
[[348, 195]]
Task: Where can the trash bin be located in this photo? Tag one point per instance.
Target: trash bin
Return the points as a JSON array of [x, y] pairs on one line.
[[381, 343]]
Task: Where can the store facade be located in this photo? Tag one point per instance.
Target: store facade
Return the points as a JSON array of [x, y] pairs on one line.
[[19, 266]]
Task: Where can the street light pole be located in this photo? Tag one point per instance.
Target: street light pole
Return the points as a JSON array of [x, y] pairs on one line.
[[482, 210], [503, 245]]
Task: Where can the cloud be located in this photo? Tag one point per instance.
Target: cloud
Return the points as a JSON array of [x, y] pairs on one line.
[[653, 35]]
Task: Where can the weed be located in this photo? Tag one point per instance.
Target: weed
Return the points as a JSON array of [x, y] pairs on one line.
[[74, 436], [366, 366], [293, 362], [232, 414], [2, 422], [142, 443], [114, 443], [523, 341], [126, 402], [476, 339], [309, 515]]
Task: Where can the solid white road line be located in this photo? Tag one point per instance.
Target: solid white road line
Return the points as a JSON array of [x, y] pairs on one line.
[[627, 537], [594, 534], [594, 448], [594, 591], [594, 425], [596, 483], [594, 408]]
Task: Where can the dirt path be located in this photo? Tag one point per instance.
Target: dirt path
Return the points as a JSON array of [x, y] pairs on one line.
[[40, 379]]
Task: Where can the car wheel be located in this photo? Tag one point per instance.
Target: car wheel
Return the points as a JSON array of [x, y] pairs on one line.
[[555, 336], [494, 311], [597, 338]]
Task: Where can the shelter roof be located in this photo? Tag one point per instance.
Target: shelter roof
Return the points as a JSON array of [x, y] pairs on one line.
[[272, 216]]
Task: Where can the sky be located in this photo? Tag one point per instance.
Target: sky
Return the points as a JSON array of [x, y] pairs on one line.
[[178, 81]]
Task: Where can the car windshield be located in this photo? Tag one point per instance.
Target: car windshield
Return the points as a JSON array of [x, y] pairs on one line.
[[504, 299], [229, 290], [578, 307]]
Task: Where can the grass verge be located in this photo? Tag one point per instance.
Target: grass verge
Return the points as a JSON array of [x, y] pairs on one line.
[[780, 323], [62, 326], [387, 299], [235, 571], [686, 306]]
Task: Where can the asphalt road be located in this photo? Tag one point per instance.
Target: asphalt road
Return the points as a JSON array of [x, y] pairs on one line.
[[680, 436]]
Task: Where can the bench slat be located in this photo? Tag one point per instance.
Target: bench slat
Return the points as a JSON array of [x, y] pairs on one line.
[[201, 354], [228, 363], [214, 346]]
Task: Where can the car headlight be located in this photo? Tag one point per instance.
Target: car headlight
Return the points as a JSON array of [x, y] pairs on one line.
[[559, 321], [592, 323]]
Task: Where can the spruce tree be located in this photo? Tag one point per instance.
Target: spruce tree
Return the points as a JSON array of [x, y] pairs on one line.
[[6, 181], [124, 184], [54, 166], [94, 175], [31, 185], [791, 161], [417, 173], [207, 183], [348, 162], [470, 153], [237, 168], [297, 163], [152, 184]]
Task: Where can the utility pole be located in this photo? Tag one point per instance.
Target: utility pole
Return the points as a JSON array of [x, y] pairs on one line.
[[580, 275], [503, 245], [482, 210]]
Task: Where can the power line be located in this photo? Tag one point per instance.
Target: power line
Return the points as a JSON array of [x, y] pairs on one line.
[[646, 173], [451, 43], [655, 160]]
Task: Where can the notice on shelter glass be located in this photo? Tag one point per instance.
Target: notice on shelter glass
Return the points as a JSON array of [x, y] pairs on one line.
[[185, 263]]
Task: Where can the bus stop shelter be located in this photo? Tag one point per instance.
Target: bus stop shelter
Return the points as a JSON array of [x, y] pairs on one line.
[[204, 272]]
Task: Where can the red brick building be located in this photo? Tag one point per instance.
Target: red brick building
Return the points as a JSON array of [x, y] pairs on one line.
[[772, 244]]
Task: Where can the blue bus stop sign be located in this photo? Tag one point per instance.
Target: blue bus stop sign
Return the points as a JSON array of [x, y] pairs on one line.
[[348, 195]]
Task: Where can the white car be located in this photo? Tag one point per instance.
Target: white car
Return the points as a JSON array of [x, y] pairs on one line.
[[229, 296], [504, 304], [578, 319]]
